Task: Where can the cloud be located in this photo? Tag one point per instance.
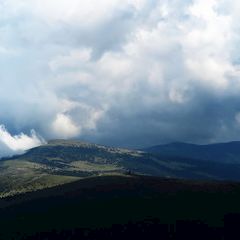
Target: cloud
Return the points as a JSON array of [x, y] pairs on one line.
[[63, 126], [10, 145], [130, 73]]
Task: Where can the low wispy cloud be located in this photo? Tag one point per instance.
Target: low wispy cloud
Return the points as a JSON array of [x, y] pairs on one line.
[[15, 144]]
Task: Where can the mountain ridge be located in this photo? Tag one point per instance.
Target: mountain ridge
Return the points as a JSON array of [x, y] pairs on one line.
[[228, 152], [62, 161]]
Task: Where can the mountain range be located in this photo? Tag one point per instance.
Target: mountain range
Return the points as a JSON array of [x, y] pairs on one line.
[[64, 161]]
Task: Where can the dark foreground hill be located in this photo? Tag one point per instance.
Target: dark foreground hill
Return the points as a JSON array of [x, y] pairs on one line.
[[130, 207], [60, 162]]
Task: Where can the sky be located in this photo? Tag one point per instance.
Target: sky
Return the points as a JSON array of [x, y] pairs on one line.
[[129, 73]]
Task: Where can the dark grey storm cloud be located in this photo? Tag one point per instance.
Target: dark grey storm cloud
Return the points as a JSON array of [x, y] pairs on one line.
[[128, 73]]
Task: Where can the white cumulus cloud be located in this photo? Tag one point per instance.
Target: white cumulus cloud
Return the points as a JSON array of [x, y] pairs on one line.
[[64, 127]]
